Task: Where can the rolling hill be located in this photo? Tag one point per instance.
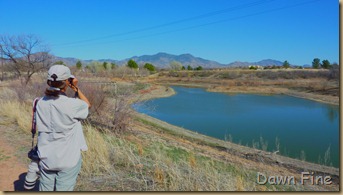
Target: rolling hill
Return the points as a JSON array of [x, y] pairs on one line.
[[163, 60]]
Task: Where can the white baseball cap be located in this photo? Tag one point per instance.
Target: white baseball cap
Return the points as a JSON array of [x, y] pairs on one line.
[[59, 73]]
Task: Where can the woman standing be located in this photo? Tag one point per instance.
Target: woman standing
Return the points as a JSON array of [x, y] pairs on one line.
[[60, 135]]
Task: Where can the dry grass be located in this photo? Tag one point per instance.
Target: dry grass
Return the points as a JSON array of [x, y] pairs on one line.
[[137, 163], [165, 168], [96, 160], [20, 112], [318, 85]]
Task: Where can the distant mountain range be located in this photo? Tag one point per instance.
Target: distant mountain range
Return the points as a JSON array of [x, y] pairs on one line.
[[163, 60], [267, 62]]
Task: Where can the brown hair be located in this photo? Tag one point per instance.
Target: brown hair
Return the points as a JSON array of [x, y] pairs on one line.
[[56, 84]]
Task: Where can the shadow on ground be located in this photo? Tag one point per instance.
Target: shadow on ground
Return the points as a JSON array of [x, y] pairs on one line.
[[19, 184]]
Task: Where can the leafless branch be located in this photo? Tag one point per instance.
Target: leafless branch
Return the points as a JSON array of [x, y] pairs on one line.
[[26, 53]]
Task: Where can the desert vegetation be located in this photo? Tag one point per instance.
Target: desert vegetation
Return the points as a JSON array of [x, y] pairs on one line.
[[319, 85], [129, 153]]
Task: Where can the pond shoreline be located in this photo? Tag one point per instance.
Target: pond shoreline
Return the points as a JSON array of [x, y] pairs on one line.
[[236, 149], [261, 90]]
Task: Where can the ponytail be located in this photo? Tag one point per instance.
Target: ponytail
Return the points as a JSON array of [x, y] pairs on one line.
[[55, 88]]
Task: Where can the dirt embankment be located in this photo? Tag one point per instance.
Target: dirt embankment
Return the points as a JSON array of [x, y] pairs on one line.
[[241, 155], [329, 94]]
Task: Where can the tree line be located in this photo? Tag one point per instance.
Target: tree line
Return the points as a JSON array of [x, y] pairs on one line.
[[316, 64], [25, 55], [174, 65], [325, 64]]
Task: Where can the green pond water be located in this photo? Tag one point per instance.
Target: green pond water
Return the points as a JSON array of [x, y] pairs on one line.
[[304, 129]]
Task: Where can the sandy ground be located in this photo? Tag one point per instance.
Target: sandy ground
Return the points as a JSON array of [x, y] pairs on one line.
[[12, 170]]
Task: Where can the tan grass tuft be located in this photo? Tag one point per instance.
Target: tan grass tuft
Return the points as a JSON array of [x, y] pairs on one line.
[[239, 183], [158, 175], [140, 149], [20, 112], [261, 188], [96, 160], [192, 161]]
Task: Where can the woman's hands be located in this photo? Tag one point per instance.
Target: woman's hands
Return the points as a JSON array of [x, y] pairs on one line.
[[73, 84], [75, 81]]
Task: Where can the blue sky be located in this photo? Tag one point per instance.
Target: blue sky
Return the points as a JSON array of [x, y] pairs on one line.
[[220, 30]]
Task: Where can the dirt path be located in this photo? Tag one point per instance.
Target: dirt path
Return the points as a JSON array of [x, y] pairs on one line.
[[12, 168]]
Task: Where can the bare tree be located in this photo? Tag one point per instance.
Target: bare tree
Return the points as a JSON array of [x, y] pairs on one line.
[[26, 55], [175, 65], [2, 66]]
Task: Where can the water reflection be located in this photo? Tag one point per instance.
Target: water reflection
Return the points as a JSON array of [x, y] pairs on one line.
[[332, 112]]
